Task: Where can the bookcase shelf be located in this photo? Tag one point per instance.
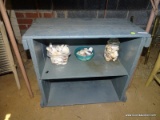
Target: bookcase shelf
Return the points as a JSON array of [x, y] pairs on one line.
[[79, 82], [96, 67]]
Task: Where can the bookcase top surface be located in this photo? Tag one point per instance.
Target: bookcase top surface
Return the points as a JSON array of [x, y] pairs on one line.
[[83, 28]]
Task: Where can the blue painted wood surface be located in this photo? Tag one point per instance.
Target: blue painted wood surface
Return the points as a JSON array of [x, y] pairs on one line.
[[83, 28], [110, 79]]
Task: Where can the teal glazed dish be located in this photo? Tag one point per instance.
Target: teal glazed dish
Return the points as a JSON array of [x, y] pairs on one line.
[[81, 57]]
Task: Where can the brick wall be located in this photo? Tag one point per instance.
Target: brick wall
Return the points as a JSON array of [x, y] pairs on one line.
[[26, 17]]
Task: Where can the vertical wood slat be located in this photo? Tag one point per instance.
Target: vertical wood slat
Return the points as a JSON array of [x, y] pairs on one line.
[[6, 57]]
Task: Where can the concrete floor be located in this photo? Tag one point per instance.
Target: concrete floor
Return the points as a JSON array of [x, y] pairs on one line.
[[140, 99]]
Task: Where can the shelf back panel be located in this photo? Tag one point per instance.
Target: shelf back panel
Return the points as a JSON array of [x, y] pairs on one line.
[[82, 92]]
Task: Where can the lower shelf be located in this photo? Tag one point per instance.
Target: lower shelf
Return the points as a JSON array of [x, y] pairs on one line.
[[81, 92]]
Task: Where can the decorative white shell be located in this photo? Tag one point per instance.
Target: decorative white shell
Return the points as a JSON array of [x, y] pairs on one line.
[[85, 51], [90, 49], [65, 50]]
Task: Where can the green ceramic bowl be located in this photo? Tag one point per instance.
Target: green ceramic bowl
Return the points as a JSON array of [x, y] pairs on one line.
[[83, 58]]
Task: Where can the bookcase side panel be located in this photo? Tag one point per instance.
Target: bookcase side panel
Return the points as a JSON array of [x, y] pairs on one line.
[[129, 57]]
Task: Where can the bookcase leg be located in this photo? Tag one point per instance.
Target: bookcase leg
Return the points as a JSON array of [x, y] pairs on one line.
[[16, 77], [124, 98]]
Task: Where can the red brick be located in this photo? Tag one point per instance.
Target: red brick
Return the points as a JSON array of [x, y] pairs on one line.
[[23, 27], [40, 15], [24, 21], [19, 15], [48, 15], [31, 15]]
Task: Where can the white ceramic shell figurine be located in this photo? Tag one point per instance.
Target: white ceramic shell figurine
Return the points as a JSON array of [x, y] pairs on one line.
[[58, 54]]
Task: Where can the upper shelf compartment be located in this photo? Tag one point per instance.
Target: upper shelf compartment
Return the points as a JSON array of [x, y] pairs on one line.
[[96, 67], [82, 28]]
